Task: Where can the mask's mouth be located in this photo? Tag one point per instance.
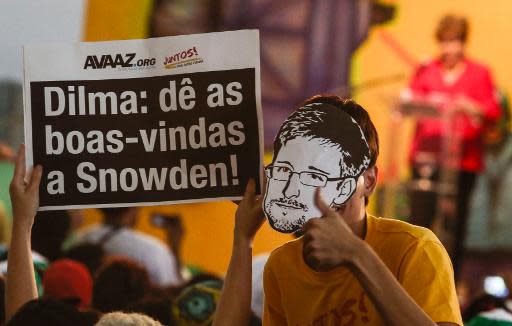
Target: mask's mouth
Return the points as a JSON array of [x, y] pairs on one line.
[[289, 204]]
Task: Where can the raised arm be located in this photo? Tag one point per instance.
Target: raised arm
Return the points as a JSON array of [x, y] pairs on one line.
[[21, 284], [234, 306]]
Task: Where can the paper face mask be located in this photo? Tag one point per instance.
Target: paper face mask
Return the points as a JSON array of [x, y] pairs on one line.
[[319, 145]]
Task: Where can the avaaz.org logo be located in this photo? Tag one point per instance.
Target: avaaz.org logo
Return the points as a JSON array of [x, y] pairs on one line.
[[127, 61]]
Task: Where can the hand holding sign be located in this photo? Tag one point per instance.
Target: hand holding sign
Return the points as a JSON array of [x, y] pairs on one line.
[[249, 214], [328, 241]]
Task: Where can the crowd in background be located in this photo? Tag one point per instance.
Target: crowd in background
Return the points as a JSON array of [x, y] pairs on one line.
[[82, 277]]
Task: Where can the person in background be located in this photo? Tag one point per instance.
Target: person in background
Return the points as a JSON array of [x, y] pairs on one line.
[[51, 312], [47, 235], [68, 281], [49, 232], [119, 283], [489, 224], [126, 319], [117, 237], [7, 158], [488, 310], [174, 230], [462, 90], [258, 294], [89, 254], [6, 153], [156, 307]]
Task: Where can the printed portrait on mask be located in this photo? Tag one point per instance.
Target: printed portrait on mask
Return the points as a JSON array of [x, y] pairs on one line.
[[318, 145]]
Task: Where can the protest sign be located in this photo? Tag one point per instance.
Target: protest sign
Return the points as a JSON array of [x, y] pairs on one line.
[[144, 122]]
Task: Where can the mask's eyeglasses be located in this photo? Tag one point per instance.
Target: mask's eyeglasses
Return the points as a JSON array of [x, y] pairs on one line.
[[284, 173]]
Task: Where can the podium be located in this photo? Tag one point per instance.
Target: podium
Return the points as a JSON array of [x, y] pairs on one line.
[[435, 186]]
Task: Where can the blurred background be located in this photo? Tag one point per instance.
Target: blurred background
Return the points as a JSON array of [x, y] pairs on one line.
[[366, 49]]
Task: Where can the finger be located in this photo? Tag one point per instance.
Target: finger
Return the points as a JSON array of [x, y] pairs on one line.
[[308, 225], [250, 190], [247, 194], [321, 204], [306, 249], [312, 261], [35, 178], [309, 232], [259, 200], [19, 168], [308, 245], [259, 212]]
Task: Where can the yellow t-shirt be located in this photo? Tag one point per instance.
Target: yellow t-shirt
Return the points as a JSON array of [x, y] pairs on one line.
[[296, 295]]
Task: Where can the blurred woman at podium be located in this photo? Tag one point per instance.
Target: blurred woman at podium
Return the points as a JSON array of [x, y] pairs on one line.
[[447, 148]]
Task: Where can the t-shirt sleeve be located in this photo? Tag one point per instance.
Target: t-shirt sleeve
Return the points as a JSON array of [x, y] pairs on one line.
[[273, 313], [426, 273]]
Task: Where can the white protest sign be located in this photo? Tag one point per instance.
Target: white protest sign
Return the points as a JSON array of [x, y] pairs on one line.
[[144, 122]]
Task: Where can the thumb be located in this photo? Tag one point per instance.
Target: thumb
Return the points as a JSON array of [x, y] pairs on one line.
[[322, 205]]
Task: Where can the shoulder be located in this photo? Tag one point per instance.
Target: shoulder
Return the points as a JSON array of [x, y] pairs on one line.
[[477, 68], [421, 265], [399, 243], [392, 227], [427, 66], [286, 249], [426, 73], [285, 254]]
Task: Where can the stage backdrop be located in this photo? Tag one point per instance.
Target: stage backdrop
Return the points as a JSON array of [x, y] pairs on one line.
[[390, 52], [411, 31]]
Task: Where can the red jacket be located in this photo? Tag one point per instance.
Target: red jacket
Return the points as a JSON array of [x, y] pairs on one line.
[[475, 83]]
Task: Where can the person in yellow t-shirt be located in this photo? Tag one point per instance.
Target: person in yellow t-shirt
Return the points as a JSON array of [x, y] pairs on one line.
[[299, 295], [349, 268]]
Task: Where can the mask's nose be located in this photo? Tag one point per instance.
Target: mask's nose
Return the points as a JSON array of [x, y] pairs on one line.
[[292, 187]]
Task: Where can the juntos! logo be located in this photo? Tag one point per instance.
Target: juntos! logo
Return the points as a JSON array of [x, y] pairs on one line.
[[183, 58], [117, 61]]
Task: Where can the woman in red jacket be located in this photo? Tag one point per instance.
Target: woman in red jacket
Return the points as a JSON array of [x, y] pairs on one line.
[[464, 94]]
